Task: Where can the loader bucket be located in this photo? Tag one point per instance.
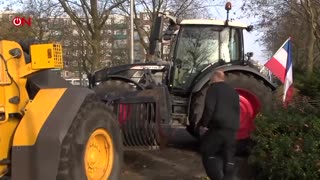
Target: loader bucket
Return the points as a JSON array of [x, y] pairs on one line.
[[140, 122]]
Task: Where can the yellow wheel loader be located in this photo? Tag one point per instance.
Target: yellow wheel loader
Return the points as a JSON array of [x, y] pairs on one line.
[[50, 129]]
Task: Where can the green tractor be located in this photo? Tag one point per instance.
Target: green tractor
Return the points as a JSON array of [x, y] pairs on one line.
[[179, 82]]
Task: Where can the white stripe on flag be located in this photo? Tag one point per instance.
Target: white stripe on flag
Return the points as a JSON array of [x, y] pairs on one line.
[[288, 82], [282, 56]]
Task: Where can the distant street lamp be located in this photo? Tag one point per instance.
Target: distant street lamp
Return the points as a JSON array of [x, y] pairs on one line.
[[131, 32]]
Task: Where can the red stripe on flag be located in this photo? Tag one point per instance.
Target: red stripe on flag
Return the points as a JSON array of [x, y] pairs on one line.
[[276, 68], [289, 95]]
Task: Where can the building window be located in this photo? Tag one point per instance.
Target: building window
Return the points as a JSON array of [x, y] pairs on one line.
[[66, 74], [75, 32], [137, 46], [109, 21], [67, 42], [146, 28], [11, 17], [145, 16], [146, 39], [136, 36], [120, 32], [120, 43], [119, 20]]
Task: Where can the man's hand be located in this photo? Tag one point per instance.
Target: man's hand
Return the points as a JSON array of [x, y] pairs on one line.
[[201, 130], [204, 128]]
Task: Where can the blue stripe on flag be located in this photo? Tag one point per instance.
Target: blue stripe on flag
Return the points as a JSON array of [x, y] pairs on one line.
[[287, 47]]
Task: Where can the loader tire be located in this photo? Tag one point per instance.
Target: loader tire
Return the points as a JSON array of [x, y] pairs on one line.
[[244, 83], [94, 130]]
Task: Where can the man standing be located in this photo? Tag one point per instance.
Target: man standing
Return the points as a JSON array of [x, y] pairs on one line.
[[222, 118]]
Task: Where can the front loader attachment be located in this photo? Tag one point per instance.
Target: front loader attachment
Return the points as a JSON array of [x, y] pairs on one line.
[[140, 120]]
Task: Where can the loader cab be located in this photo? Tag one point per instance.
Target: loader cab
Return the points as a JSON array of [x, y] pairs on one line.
[[201, 44]]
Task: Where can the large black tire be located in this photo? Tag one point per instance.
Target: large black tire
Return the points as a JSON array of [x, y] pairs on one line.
[[237, 80], [253, 84], [92, 115], [196, 110]]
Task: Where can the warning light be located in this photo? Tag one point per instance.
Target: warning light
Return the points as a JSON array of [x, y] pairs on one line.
[[228, 6]]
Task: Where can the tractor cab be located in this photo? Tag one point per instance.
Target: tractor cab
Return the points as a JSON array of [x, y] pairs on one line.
[[197, 44], [201, 44]]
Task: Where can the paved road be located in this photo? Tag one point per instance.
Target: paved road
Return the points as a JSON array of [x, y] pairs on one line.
[[178, 161]]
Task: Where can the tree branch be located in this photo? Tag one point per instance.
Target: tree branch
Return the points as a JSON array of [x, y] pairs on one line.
[[77, 20], [87, 18], [108, 11]]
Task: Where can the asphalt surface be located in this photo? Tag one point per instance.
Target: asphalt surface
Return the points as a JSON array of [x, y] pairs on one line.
[[178, 161]]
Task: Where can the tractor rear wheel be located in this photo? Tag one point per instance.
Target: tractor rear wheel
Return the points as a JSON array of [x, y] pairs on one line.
[[255, 97], [92, 148]]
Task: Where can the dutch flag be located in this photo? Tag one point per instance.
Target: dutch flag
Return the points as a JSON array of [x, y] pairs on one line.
[[281, 66]]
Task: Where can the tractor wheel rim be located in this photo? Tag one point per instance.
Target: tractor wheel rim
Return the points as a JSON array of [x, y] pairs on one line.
[[250, 106], [99, 155]]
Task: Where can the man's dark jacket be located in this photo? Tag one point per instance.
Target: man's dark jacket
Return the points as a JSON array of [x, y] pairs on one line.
[[222, 108]]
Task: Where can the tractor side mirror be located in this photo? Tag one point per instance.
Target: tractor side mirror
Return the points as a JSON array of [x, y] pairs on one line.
[[249, 55], [170, 32], [168, 35], [178, 63], [156, 34], [249, 28]]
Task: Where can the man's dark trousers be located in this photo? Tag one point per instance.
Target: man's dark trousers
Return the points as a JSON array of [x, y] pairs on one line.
[[218, 149]]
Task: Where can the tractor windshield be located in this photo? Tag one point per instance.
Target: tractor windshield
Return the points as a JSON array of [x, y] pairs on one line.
[[199, 46]]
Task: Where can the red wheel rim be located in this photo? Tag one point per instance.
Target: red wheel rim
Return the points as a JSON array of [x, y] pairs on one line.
[[249, 107]]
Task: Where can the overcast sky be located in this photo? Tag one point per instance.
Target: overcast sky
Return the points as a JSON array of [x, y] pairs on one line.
[[249, 37]]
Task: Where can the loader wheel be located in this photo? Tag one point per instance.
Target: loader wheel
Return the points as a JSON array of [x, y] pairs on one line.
[[255, 96], [92, 149]]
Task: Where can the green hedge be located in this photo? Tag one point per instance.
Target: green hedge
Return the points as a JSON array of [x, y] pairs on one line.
[[287, 144], [309, 87]]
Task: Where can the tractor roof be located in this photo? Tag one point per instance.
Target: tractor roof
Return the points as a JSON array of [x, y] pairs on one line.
[[213, 22]]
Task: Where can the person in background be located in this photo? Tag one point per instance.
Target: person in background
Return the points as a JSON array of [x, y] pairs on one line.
[[221, 117]]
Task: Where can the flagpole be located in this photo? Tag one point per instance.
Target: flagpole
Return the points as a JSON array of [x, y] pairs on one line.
[[131, 32]]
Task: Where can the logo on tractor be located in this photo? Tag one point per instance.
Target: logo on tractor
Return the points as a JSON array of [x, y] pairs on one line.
[[21, 21]]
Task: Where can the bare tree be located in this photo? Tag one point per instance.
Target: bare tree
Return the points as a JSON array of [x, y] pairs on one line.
[[45, 19], [9, 31], [281, 19], [151, 9], [90, 18]]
